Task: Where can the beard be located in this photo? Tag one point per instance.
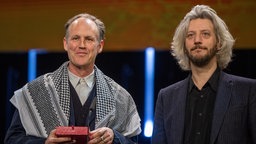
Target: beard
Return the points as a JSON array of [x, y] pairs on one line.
[[203, 60]]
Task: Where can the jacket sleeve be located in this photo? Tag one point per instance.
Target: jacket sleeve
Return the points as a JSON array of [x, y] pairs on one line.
[[120, 139], [252, 113], [16, 133], [159, 136]]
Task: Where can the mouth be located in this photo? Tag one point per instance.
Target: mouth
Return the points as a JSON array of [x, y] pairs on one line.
[[81, 54], [198, 48]]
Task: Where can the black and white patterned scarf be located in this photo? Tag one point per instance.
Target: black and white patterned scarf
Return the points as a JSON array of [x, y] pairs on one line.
[[44, 103]]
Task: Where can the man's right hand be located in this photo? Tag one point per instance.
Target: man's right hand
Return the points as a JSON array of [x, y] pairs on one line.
[[54, 139]]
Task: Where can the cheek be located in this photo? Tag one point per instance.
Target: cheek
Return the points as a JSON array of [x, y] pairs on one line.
[[72, 46], [188, 44], [93, 49], [94, 52], [189, 41]]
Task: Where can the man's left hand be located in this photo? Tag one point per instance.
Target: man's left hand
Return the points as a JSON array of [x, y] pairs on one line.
[[103, 135]]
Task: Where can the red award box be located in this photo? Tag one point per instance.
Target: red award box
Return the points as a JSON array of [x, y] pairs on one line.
[[78, 133]]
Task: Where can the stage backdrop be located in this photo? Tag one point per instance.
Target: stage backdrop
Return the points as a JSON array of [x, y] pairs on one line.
[[131, 24]]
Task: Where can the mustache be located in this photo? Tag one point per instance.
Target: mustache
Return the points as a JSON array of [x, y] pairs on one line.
[[197, 47]]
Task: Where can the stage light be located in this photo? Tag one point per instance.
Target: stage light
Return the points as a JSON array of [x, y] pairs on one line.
[[149, 91], [32, 62]]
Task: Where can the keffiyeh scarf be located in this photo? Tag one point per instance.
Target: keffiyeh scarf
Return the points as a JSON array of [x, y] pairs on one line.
[[44, 103]]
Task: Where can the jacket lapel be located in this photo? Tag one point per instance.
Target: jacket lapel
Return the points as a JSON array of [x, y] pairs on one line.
[[178, 117], [221, 105]]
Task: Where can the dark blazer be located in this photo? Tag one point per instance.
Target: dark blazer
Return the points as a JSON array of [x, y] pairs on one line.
[[234, 116]]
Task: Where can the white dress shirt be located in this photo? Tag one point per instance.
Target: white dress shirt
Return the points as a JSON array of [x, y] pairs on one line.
[[83, 86]]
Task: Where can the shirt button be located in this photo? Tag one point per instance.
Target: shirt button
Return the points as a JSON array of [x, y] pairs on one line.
[[202, 96], [198, 133], [200, 114]]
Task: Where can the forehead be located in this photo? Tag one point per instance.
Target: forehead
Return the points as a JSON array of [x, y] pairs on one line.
[[200, 24], [83, 25]]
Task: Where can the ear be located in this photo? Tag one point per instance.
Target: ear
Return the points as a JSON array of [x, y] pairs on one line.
[[65, 44], [101, 45]]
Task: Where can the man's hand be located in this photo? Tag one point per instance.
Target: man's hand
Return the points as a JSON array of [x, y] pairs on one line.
[[53, 139], [102, 135]]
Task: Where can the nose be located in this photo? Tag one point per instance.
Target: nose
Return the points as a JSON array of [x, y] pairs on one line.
[[197, 39], [82, 44]]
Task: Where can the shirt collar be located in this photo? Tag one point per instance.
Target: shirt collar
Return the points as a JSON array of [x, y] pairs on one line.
[[213, 81], [75, 79]]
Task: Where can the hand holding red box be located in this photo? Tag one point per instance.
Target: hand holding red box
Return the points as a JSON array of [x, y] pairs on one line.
[[78, 133]]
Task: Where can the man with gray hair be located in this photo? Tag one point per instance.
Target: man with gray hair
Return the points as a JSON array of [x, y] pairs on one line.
[[209, 106], [78, 93]]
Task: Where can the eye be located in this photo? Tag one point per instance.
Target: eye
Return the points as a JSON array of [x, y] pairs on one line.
[[89, 39], [190, 35], [206, 34], [75, 38]]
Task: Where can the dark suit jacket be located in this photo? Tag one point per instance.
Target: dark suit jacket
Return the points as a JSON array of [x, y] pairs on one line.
[[234, 116]]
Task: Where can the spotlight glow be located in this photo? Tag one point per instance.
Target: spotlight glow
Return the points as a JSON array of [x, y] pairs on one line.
[[32, 63], [148, 129], [149, 90]]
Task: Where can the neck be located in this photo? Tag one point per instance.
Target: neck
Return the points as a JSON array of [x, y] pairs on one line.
[[200, 75], [80, 71]]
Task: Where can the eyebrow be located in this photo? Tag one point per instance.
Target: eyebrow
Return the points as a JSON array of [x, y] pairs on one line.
[[193, 31]]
